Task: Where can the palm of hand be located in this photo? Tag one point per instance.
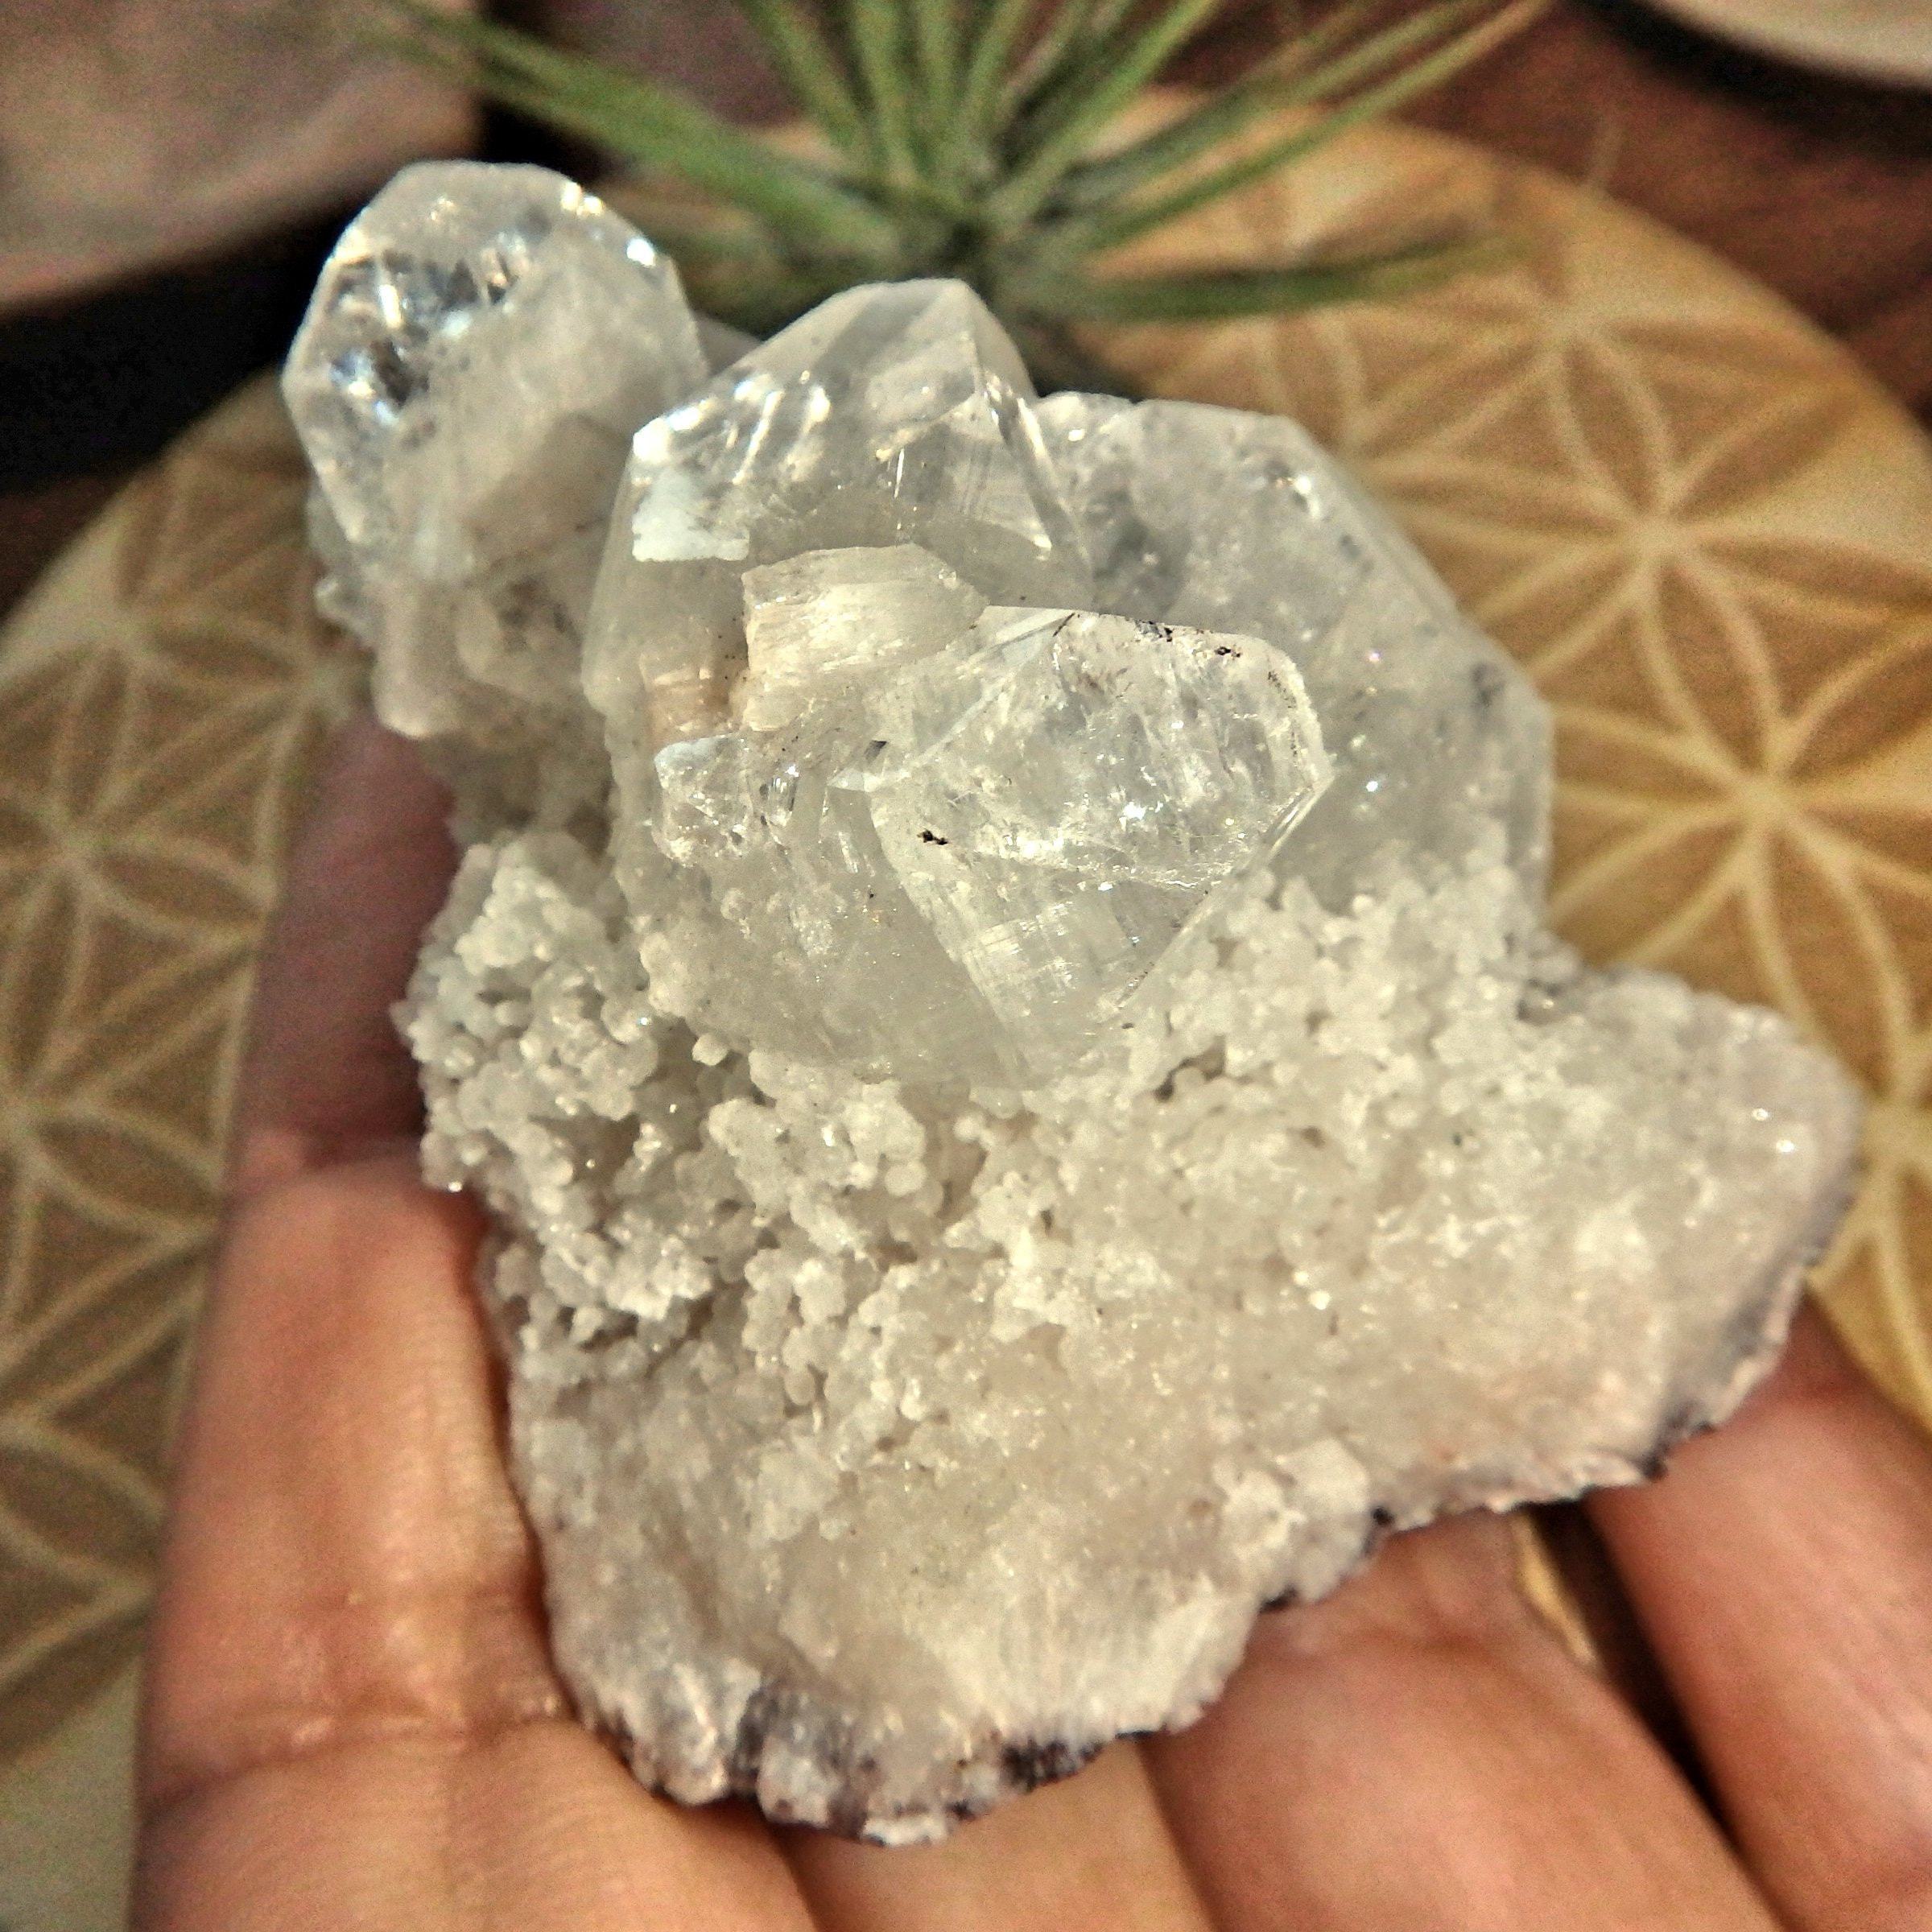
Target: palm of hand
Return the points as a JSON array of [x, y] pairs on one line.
[[353, 1722]]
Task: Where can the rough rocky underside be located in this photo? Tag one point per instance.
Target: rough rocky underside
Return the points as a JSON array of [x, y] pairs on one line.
[[997, 991]]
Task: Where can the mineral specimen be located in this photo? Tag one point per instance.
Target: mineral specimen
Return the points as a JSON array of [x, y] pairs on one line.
[[1030, 1107], [482, 344]]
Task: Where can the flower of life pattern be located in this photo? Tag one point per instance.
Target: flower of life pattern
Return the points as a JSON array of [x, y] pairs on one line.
[[162, 700]]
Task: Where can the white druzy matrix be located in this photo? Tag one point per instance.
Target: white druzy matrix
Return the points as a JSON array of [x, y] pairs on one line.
[[997, 990]]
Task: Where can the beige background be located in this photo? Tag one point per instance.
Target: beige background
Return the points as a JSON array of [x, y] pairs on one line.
[[136, 132]]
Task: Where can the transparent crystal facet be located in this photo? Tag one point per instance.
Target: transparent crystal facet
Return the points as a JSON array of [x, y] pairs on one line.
[[826, 618], [483, 344], [1236, 522], [966, 867], [891, 415]]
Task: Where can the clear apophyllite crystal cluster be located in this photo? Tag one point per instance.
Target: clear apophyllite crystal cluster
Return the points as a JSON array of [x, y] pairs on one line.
[[997, 990]]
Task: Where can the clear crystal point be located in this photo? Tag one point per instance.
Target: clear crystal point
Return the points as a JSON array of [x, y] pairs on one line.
[[893, 414], [483, 343], [1237, 522]]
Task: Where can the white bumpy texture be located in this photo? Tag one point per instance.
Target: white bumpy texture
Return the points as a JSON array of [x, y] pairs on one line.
[[997, 991]]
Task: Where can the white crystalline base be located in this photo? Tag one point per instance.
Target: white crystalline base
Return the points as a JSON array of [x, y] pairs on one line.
[[1013, 1412]]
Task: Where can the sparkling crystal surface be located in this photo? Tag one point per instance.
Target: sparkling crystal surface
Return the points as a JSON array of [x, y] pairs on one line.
[[483, 344], [1029, 1103], [1234, 522], [888, 416], [922, 818], [827, 618], [965, 864]]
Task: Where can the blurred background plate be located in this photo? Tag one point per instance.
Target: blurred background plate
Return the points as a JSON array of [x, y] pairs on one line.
[[136, 132], [1698, 523], [1876, 40]]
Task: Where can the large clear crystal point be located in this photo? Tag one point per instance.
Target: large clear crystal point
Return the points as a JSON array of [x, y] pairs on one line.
[[889, 415], [966, 866], [483, 344]]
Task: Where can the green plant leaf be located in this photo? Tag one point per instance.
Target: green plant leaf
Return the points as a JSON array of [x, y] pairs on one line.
[[656, 125], [1109, 228], [1004, 21], [808, 66], [936, 40], [876, 29], [1317, 66], [968, 157], [1119, 72], [1060, 62], [1222, 295], [1069, 26]]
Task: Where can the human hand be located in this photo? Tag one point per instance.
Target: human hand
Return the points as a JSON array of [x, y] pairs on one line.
[[352, 1724]]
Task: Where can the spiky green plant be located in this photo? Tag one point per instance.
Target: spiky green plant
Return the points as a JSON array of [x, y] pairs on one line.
[[978, 139]]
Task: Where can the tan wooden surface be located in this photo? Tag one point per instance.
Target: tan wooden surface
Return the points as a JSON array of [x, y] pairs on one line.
[[1820, 187]]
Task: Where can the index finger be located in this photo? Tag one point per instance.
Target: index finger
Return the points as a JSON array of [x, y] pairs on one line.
[[325, 1073], [1782, 1568]]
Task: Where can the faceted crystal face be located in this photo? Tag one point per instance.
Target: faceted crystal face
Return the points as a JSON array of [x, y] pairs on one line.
[[967, 865], [893, 414], [960, 871], [828, 619], [1235, 521], [1063, 794], [483, 344]]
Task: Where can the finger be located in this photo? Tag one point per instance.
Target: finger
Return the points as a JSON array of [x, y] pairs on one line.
[[1782, 1568], [1419, 1751], [325, 1073], [539, 1830], [350, 1720], [1092, 1852], [342, 1550]]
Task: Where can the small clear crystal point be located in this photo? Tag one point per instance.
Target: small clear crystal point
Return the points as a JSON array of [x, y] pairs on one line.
[[482, 344]]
